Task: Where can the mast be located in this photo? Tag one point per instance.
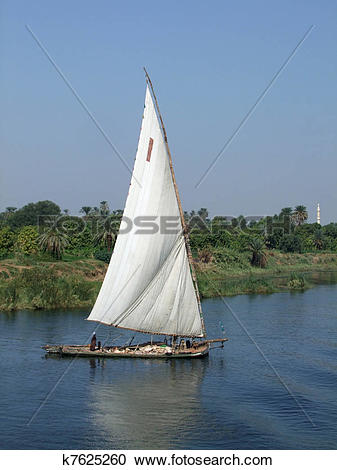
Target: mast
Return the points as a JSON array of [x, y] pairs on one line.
[[181, 212]]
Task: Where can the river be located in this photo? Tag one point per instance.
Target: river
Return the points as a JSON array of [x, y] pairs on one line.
[[273, 386]]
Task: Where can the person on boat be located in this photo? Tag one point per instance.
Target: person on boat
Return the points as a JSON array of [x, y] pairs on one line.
[[93, 342]]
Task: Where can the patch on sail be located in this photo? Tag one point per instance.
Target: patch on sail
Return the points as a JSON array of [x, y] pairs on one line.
[[149, 150]]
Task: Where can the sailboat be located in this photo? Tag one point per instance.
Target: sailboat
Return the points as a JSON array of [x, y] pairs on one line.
[[150, 285]]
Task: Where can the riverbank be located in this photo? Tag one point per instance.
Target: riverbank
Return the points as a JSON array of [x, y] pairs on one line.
[[34, 284], [284, 271]]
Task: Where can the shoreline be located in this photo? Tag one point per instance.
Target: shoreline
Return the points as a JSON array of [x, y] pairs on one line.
[[74, 284], [284, 272], [269, 283]]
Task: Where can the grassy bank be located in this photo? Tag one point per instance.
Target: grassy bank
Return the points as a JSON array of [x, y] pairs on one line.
[[234, 275], [35, 283]]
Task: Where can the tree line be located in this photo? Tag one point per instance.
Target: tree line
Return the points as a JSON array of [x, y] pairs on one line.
[[43, 229]]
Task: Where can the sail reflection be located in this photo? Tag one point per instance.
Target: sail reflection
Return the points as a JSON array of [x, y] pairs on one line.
[[149, 404]]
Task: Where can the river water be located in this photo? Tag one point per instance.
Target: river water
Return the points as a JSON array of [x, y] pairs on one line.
[[273, 386]]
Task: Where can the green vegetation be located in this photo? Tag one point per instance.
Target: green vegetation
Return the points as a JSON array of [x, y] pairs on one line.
[[31, 214], [234, 274], [53, 241], [50, 259], [32, 283], [27, 240], [259, 257], [7, 241]]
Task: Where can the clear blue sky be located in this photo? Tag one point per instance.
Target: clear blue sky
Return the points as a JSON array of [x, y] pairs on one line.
[[209, 61]]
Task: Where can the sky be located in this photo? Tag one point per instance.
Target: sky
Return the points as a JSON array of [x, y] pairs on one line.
[[209, 62]]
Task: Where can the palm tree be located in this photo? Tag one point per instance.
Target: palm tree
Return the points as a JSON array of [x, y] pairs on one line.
[[199, 220], [192, 220], [203, 214], [300, 215], [286, 212], [259, 257], [10, 209], [85, 210], [53, 241], [118, 212], [242, 222], [105, 234], [94, 211], [104, 208], [318, 239]]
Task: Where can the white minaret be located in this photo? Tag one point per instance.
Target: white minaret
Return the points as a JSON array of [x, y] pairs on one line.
[[318, 214]]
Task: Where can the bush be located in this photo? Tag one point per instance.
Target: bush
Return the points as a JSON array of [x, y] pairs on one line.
[[291, 244], [308, 244], [200, 240], [330, 230], [273, 240], [27, 242], [205, 255], [103, 255], [7, 241], [231, 258], [81, 243], [297, 281]]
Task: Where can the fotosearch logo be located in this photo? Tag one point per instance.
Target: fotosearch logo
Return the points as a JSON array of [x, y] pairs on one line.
[[140, 225], [166, 225], [149, 225]]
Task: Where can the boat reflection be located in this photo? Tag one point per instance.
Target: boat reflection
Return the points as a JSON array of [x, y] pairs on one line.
[[147, 404]]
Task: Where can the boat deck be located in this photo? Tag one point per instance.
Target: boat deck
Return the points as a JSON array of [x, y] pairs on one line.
[[146, 350]]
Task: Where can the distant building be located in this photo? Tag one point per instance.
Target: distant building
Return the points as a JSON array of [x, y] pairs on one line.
[[318, 214]]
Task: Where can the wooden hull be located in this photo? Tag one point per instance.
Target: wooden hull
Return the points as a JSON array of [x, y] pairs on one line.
[[146, 351]]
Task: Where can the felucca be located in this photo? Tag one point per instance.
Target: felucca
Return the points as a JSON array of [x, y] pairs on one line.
[[150, 285]]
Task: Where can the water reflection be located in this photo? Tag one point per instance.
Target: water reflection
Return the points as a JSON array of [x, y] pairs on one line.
[[151, 404], [92, 363]]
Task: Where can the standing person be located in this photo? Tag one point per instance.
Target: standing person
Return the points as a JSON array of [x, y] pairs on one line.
[[93, 342]]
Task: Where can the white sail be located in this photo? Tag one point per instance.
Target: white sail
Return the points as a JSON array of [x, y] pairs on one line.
[[148, 285]]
